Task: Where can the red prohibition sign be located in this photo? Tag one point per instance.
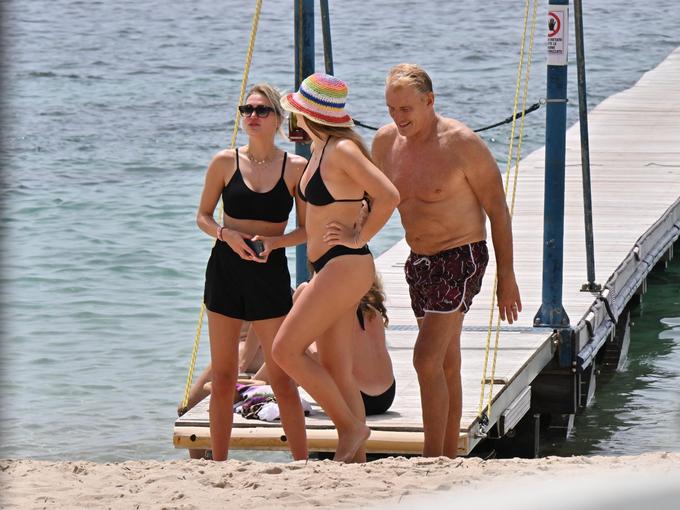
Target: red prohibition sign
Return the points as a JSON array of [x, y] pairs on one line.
[[555, 28]]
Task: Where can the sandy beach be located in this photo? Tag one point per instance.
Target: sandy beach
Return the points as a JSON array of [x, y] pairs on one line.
[[385, 483]]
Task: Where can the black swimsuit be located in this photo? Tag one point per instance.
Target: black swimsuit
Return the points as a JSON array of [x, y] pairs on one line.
[[245, 289], [316, 193]]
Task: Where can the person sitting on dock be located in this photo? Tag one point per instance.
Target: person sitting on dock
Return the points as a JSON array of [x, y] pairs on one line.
[[337, 179], [449, 183], [371, 362], [245, 282]]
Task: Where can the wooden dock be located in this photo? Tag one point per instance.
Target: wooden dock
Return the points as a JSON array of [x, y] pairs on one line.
[[635, 172]]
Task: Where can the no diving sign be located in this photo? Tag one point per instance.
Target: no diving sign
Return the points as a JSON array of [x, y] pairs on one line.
[[558, 35]]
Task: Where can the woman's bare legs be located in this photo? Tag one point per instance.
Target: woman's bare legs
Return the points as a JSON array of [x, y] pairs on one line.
[[331, 294], [224, 339], [196, 394], [285, 389], [335, 354]]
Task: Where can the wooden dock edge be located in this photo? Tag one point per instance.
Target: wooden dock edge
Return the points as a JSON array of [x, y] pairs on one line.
[[511, 390], [318, 440]]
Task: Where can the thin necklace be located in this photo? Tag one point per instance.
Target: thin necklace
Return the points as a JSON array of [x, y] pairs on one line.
[[259, 162]]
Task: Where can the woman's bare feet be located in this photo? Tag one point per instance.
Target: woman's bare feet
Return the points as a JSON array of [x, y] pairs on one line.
[[350, 442]]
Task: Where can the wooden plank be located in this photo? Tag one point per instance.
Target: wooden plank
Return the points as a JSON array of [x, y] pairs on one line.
[[318, 440]]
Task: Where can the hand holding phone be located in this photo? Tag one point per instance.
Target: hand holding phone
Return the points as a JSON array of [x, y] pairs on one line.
[[257, 246]]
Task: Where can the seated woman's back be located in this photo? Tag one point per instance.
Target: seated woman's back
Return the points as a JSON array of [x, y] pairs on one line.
[[372, 365]]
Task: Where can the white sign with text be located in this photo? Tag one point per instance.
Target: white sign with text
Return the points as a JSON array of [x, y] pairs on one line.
[[558, 34]]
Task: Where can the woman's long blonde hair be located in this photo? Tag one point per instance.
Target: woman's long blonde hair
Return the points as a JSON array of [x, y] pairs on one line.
[[339, 132]]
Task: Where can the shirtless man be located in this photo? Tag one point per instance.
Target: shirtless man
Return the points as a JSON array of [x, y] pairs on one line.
[[449, 183]]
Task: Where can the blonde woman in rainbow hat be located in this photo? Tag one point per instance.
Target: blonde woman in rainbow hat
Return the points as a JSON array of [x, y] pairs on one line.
[[338, 178]]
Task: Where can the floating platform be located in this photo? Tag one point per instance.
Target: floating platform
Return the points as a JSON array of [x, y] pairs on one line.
[[540, 373]]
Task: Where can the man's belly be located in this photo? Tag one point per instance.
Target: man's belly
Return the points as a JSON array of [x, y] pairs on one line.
[[429, 232]]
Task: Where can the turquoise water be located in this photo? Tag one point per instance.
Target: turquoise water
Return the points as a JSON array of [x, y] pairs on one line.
[[638, 409], [112, 111]]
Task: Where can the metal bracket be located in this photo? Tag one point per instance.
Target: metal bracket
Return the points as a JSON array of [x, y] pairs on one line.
[[591, 287], [483, 424]]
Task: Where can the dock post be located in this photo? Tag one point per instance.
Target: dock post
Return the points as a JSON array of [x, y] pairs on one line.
[[552, 313], [326, 31], [590, 285], [304, 66]]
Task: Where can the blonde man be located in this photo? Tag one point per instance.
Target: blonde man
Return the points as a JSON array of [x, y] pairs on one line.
[[449, 184]]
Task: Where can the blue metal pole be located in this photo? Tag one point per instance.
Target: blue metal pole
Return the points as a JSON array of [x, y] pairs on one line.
[[304, 66], [552, 312], [326, 31]]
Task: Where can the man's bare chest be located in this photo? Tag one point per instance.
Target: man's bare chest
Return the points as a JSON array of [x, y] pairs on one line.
[[428, 177]]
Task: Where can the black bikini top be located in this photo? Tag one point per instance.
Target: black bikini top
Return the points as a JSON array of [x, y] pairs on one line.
[[316, 192], [360, 317], [242, 203]]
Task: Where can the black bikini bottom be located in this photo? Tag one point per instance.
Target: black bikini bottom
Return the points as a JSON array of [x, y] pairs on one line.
[[337, 251], [380, 403]]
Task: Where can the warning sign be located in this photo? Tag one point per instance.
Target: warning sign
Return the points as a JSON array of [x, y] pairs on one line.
[[558, 35]]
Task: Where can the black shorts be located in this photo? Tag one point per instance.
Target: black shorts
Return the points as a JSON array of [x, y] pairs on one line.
[[245, 289]]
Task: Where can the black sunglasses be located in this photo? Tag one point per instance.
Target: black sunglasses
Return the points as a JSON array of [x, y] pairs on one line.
[[260, 110]]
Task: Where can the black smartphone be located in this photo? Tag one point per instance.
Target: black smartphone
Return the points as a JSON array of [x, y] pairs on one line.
[[256, 246], [295, 132]]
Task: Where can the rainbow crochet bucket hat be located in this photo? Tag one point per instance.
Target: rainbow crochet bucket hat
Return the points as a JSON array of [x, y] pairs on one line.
[[321, 98]]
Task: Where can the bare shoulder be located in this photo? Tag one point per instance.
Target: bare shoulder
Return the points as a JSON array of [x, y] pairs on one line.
[[385, 133], [454, 133], [296, 164], [384, 137], [468, 145], [347, 149], [225, 158], [221, 169], [383, 141]]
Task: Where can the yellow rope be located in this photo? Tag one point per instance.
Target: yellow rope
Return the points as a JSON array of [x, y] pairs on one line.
[[514, 191], [244, 81]]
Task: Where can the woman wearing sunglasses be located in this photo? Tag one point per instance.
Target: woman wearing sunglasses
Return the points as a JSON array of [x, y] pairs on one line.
[[246, 282], [337, 180]]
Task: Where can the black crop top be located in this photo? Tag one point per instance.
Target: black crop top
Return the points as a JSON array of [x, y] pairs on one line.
[[316, 192], [242, 203]]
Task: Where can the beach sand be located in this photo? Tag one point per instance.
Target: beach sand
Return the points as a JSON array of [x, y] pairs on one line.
[[386, 483]]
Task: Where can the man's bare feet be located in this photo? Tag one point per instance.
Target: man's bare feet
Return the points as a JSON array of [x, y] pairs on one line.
[[349, 443]]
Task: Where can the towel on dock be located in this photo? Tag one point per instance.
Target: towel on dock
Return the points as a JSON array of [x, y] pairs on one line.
[[259, 403]]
